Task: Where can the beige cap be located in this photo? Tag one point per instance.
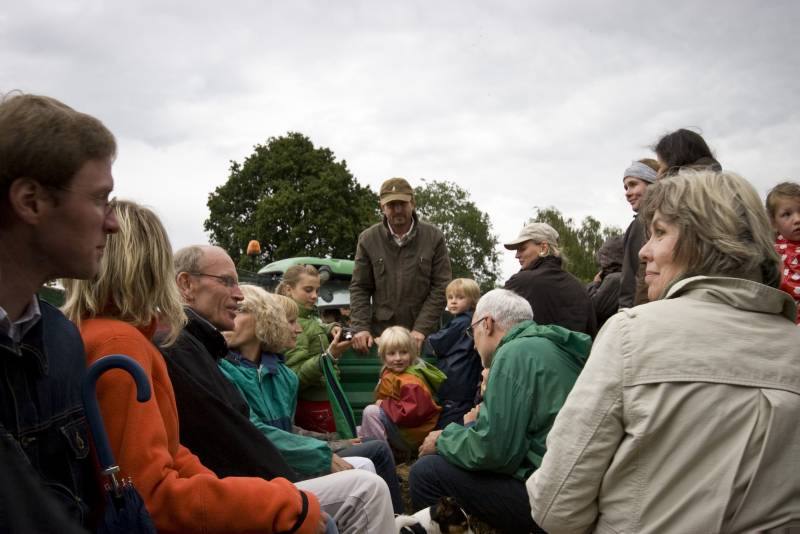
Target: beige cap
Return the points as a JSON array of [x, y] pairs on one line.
[[396, 189], [538, 232]]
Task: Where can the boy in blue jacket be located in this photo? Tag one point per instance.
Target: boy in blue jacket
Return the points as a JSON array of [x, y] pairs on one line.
[[455, 353]]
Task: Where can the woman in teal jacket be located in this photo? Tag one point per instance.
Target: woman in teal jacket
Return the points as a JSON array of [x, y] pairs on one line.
[[266, 324]]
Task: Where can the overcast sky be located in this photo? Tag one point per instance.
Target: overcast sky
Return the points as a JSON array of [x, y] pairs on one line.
[[523, 103]]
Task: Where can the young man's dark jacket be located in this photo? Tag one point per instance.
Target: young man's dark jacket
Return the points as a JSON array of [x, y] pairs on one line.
[[405, 282], [457, 358], [555, 295], [41, 410], [214, 418]]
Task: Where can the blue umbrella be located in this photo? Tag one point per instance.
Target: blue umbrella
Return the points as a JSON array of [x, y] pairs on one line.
[[125, 510]]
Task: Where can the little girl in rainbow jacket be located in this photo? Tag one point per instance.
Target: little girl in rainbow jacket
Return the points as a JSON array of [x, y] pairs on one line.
[[405, 409]]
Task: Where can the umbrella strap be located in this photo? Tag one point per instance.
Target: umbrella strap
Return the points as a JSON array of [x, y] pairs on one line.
[[115, 486]]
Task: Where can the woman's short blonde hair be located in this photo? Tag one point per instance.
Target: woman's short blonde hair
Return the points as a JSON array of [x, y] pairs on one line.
[[271, 326], [467, 287], [397, 338], [136, 283], [290, 307], [723, 230]]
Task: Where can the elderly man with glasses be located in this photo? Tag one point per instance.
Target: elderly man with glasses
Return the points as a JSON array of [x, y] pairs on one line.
[[532, 368], [212, 412]]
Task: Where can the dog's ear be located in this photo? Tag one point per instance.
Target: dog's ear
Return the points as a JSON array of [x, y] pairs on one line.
[[413, 529]]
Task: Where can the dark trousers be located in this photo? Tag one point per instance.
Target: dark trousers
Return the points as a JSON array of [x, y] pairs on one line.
[[381, 455], [500, 500]]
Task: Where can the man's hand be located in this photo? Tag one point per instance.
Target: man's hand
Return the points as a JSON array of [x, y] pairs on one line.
[[362, 341], [472, 415], [419, 337], [337, 464], [429, 445]]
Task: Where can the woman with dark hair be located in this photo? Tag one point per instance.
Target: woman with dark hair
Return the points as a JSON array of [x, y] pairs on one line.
[[684, 148], [684, 418], [604, 289]]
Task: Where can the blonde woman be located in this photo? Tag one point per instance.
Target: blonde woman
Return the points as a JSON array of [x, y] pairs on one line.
[[685, 417], [265, 326], [118, 313]]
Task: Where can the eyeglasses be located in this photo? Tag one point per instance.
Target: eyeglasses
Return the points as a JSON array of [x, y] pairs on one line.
[[225, 280], [471, 328], [100, 200]]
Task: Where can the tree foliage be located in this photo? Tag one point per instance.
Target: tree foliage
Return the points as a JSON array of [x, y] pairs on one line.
[[467, 231], [295, 199], [578, 244]]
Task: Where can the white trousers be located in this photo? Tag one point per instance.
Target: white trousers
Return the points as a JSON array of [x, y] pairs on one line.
[[359, 462], [357, 500]]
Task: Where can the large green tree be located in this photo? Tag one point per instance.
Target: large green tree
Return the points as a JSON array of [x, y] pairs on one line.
[[579, 244], [294, 198], [467, 231]]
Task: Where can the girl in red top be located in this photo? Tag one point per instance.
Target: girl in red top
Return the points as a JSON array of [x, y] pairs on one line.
[[405, 409], [783, 207]]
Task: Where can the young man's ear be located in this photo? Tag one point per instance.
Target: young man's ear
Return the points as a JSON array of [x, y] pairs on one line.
[[26, 198]]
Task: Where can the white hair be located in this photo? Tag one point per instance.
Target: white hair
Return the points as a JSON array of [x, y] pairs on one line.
[[505, 307]]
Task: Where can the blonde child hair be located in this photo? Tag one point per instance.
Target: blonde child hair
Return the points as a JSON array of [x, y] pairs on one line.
[[467, 286], [397, 338], [784, 190]]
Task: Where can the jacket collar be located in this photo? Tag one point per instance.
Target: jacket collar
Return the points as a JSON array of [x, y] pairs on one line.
[[305, 313], [547, 262], [412, 233], [205, 332], [32, 342], [736, 292]]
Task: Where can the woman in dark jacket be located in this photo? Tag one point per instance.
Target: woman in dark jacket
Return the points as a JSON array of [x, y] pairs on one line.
[[604, 289], [555, 295]]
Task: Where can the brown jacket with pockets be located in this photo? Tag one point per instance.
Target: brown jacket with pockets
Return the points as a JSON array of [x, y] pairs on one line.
[[399, 284]]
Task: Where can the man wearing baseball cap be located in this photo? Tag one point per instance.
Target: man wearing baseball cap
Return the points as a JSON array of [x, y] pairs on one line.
[[401, 271]]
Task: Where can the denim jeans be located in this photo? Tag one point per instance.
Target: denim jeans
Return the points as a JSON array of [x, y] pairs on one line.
[[500, 500]]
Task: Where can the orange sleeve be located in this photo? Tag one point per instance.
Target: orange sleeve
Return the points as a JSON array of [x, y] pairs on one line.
[[179, 492]]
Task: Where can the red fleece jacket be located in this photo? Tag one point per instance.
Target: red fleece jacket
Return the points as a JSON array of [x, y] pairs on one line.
[[179, 492]]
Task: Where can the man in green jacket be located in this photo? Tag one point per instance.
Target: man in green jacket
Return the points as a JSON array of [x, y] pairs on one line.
[[532, 369], [401, 271]]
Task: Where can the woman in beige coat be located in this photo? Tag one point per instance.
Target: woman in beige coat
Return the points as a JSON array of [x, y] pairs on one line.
[[686, 417]]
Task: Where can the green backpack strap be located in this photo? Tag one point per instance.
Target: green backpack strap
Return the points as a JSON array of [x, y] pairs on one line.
[[342, 411]]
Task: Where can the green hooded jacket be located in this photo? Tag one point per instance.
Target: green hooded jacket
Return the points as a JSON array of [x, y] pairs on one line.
[[533, 370], [304, 358]]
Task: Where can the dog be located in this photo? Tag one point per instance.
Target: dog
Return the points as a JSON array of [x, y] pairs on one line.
[[444, 517]]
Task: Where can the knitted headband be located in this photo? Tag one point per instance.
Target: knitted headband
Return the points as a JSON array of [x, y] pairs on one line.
[[641, 171]]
